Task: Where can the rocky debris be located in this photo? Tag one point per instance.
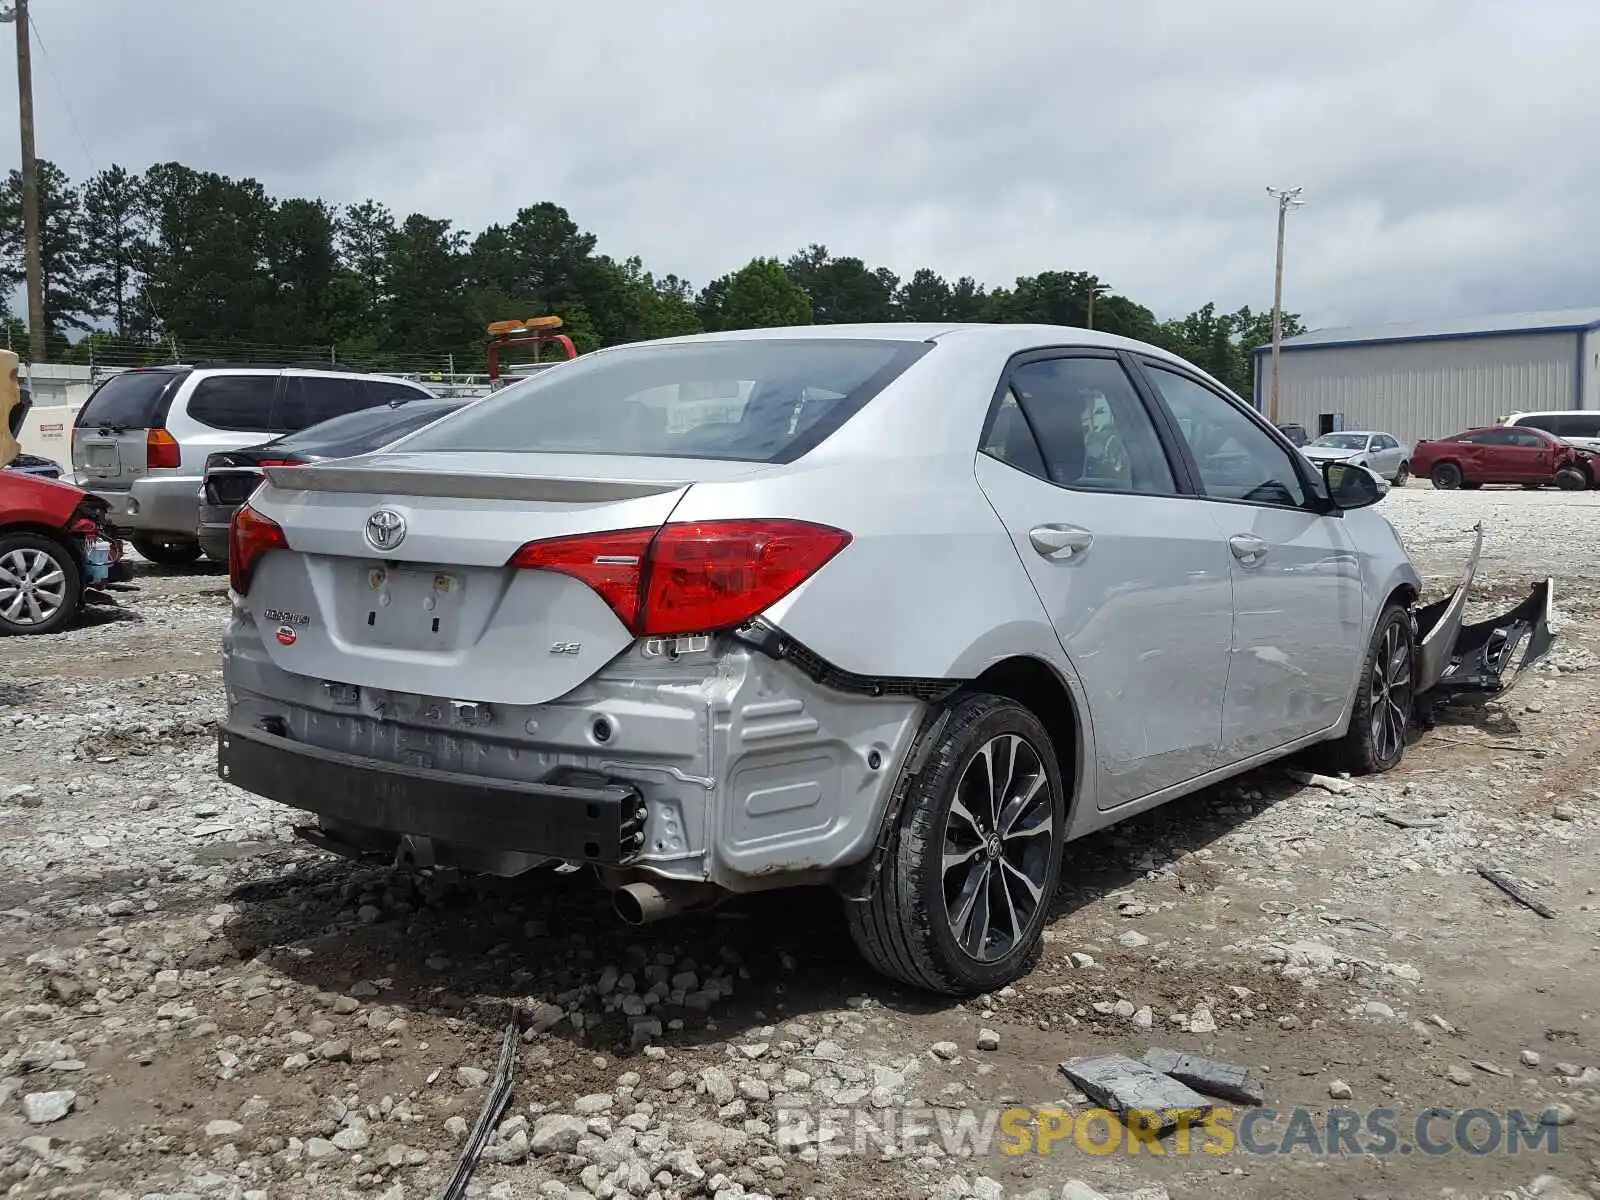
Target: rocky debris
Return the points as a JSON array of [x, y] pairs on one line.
[[46, 1108], [988, 1039], [1125, 1086], [1338, 1089], [1206, 1075], [1558, 1114]]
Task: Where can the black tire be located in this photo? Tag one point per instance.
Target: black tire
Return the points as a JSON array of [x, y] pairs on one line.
[[905, 929], [1402, 474], [54, 603], [166, 552], [1445, 476], [1370, 747], [1570, 479]]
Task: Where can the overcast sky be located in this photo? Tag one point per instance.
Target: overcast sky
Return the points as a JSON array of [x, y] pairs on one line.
[[1447, 147]]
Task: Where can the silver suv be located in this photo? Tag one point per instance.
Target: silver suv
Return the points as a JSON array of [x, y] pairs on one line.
[[141, 440]]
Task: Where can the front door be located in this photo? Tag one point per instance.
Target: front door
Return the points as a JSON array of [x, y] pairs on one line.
[[1134, 576], [1298, 600]]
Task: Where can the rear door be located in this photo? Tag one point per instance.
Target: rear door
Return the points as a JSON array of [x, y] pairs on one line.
[[1299, 620], [225, 410], [110, 431], [1133, 573]]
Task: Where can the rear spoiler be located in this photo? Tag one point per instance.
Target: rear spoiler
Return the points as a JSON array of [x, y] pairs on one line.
[[391, 481], [1486, 658]]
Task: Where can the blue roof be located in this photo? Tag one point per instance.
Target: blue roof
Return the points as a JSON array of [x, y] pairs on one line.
[[1564, 320]]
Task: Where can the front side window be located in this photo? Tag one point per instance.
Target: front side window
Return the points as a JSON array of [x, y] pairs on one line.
[[755, 400], [1236, 458], [1079, 423]]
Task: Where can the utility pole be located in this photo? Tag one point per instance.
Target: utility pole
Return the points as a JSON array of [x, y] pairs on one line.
[[1095, 289], [18, 14], [1287, 198]]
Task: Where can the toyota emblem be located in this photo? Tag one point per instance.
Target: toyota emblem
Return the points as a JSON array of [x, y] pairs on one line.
[[386, 529]]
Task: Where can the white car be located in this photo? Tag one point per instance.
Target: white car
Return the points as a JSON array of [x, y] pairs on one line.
[[899, 609], [1578, 427], [1381, 453]]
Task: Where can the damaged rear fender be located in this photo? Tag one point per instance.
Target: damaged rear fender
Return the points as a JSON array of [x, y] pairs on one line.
[[1487, 657]]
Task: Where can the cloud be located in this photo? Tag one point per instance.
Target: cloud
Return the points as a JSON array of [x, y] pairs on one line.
[[1443, 144]]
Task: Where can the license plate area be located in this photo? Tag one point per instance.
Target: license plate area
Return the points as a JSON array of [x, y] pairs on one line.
[[102, 457], [411, 608]]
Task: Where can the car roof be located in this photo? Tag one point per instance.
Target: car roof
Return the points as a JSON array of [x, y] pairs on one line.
[[1001, 338]]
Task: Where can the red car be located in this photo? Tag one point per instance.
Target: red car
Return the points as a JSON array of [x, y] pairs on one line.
[[56, 553], [1500, 454]]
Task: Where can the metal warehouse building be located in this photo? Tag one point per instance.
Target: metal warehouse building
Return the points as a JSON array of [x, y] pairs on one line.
[[1428, 381]]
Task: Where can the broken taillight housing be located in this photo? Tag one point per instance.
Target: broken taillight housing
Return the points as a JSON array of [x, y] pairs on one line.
[[250, 535], [690, 577]]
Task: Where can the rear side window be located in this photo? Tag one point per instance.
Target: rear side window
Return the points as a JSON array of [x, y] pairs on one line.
[[1549, 422], [240, 402], [1081, 425], [309, 400], [131, 400], [381, 391], [745, 401]]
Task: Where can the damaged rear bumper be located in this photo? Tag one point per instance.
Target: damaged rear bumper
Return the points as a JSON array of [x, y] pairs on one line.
[[1486, 658], [570, 816]]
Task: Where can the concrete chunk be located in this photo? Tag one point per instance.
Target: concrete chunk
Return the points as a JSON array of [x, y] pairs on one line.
[[1136, 1092], [1225, 1081]]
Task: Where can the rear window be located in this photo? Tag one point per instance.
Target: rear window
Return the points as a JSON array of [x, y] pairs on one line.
[[360, 432], [131, 400], [239, 402], [746, 401]]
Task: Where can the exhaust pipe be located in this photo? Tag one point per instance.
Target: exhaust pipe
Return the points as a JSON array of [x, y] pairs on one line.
[[641, 903]]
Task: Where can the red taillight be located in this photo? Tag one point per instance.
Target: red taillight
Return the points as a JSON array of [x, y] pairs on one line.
[[161, 450], [693, 577], [280, 462], [250, 535]]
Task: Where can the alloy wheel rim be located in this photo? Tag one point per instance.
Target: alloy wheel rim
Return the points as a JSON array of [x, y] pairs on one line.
[[999, 834], [33, 586], [1391, 694]]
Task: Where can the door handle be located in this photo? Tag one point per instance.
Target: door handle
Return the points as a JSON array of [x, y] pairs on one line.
[[1060, 541], [1247, 548]]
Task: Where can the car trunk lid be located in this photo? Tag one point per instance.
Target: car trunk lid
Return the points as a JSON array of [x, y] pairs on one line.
[[421, 598]]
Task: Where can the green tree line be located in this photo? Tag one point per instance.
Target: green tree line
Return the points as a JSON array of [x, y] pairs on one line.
[[175, 255]]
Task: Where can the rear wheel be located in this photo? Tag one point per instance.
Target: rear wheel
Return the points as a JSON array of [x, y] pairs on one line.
[[966, 883], [1376, 740], [1446, 476], [1403, 474], [40, 585], [166, 551]]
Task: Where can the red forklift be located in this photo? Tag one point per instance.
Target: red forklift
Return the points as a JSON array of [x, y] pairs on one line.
[[537, 332]]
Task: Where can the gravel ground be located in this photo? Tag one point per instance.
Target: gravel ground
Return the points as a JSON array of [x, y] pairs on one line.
[[193, 1003]]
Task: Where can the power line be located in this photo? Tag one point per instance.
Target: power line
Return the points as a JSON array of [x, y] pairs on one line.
[[50, 69]]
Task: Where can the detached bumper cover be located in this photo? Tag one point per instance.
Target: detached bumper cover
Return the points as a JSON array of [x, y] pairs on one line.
[[583, 819], [1487, 657], [1490, 657]]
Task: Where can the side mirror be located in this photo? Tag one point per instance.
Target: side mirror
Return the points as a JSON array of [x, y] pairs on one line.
[[1350, 486]]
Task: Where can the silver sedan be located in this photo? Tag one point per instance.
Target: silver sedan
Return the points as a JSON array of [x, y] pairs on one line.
[[1379, 452], [896, 609]]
